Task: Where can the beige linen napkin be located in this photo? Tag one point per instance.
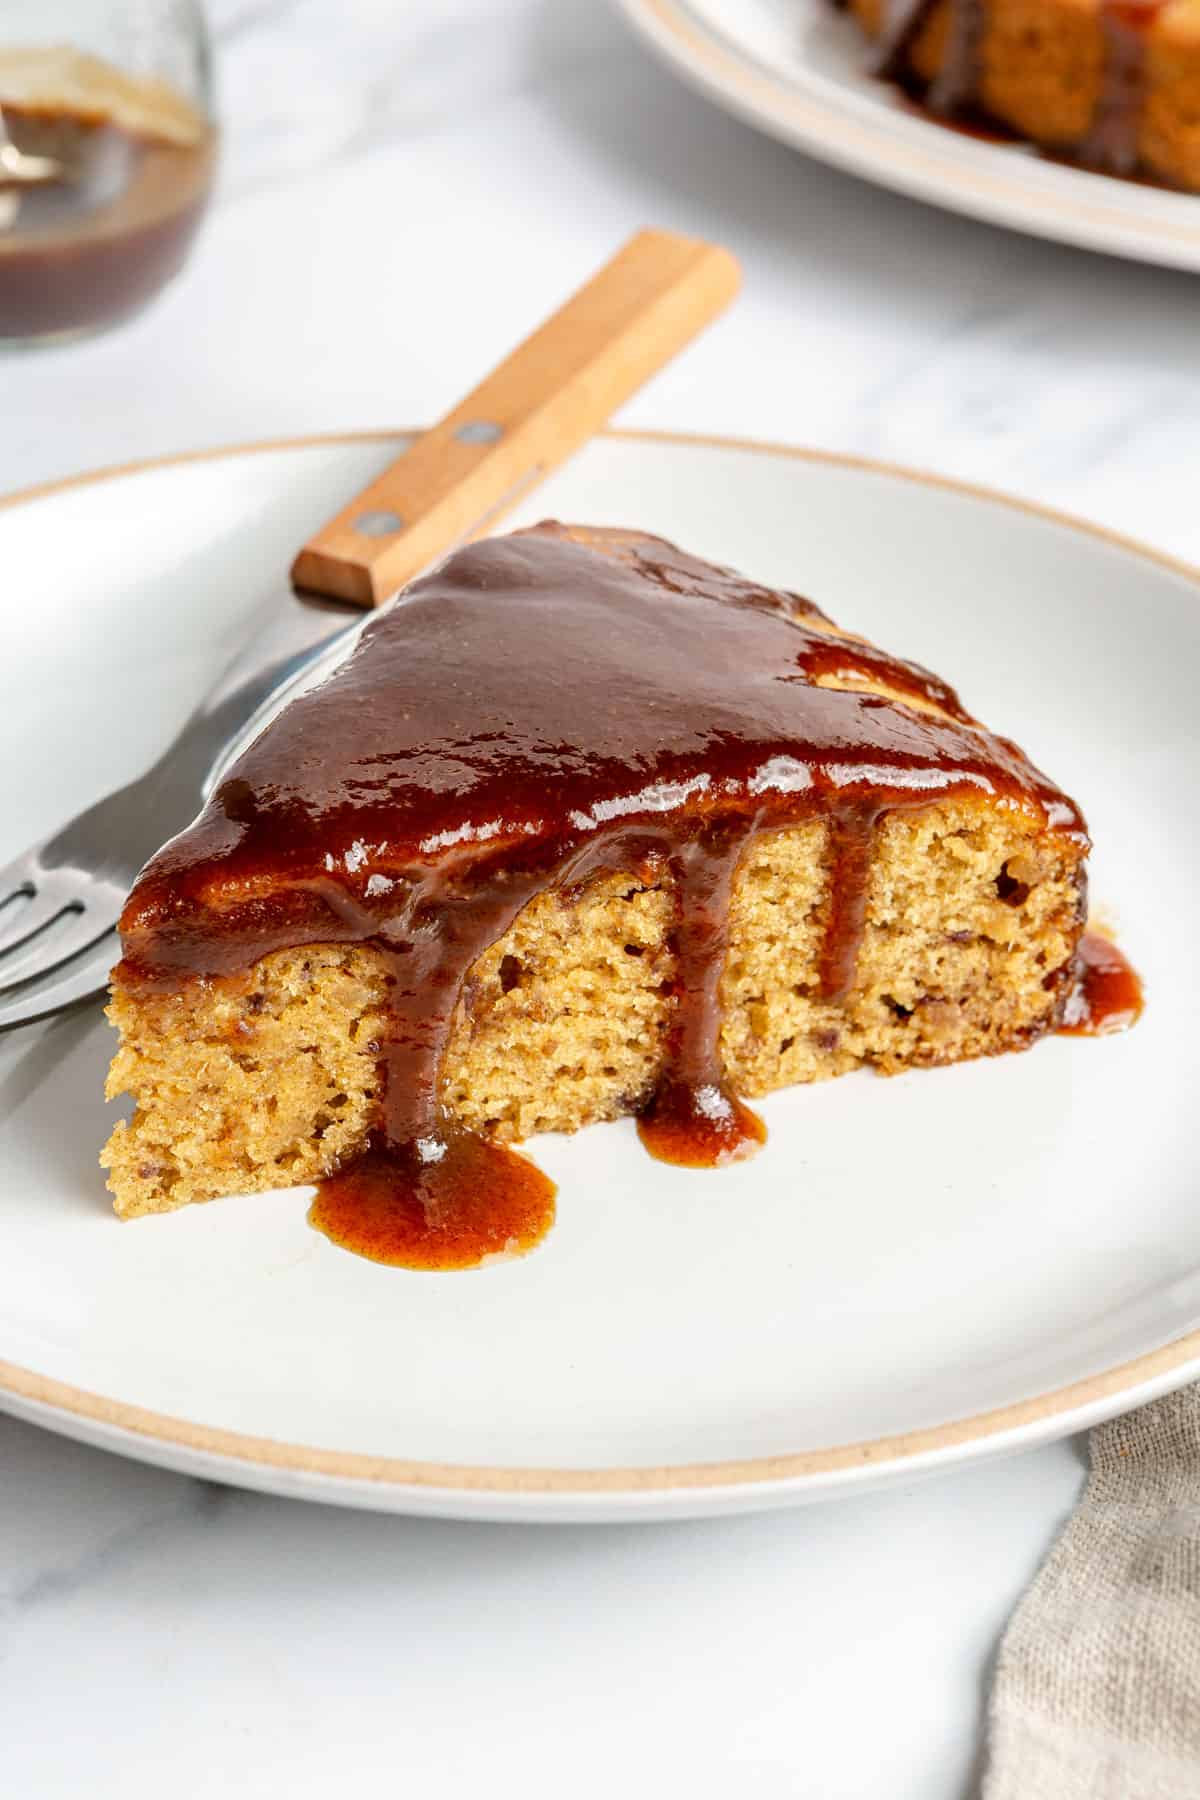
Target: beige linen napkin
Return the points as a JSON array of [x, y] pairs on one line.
[[1097, 1687]]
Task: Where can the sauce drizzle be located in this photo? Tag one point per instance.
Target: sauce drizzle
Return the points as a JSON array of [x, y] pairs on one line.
[[693, 1119], [1111, 143], [956, 84]]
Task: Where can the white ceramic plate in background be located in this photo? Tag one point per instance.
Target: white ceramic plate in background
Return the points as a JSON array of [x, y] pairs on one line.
[[914, 1271], [796, 69]]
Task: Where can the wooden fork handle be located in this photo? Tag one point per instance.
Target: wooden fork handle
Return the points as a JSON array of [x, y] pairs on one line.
[[556, 390]]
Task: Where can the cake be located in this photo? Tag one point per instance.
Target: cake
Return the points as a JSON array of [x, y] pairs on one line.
[[584, 826], [1114, 84]]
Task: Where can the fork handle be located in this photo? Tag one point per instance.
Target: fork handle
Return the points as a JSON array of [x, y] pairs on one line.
[[555, 391]]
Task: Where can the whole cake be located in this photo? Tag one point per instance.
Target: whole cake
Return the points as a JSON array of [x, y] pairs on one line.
[[585, 826], [1114, 84]]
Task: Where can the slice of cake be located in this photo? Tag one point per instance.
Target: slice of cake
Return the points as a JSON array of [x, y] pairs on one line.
[[583, 827], [1114, 84]]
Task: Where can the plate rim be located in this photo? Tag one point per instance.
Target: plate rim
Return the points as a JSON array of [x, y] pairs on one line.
[[734, 78], [155, 1436]]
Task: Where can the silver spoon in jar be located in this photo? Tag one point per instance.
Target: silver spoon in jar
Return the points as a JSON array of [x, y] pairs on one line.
[[22, 169], [18, 169]]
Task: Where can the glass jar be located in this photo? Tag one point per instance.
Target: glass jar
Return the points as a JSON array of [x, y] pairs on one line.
[[107, 154]]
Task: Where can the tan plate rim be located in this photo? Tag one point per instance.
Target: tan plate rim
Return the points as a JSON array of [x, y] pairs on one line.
[[155, 1435], [732, 77]]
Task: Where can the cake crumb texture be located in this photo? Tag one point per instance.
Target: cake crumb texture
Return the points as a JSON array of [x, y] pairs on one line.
[[271, 1077]]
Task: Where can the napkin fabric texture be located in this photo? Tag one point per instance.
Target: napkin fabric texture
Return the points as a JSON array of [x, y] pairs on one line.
[[1097, 1687]]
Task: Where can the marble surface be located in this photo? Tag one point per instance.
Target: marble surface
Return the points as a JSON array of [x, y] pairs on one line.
[[405, 189]]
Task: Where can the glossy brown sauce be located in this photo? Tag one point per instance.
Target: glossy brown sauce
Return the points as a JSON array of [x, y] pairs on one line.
[[952, 99], [956, 85], [528, 716], [89, 249], [1107, 995], [969, 122], [693, 1119], [1112, 140], [476, 1202]]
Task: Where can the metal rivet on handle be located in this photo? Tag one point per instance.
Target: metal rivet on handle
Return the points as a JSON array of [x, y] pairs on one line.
[[378, 524], [478, 431]]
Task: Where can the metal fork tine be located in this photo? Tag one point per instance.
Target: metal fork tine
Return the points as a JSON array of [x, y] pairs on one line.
[[84, 978], [88, 866], [50, 949], [18, 878], [54, 893]]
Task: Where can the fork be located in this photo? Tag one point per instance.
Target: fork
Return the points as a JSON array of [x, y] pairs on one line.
[[61, 901]]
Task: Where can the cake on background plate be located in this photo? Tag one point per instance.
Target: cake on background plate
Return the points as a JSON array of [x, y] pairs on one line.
[[1114, 84], [584, 826]]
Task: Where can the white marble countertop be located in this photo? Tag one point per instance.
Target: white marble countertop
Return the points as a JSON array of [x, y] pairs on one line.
[[406, 189]]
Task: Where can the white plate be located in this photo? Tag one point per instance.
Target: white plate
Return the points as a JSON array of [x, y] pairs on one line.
[[795, 68], [914, 1272]]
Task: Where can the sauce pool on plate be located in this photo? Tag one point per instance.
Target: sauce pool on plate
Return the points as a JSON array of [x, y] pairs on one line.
[[1107, 995]]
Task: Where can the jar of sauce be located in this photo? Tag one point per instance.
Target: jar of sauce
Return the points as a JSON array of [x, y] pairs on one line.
[[105, 167]]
